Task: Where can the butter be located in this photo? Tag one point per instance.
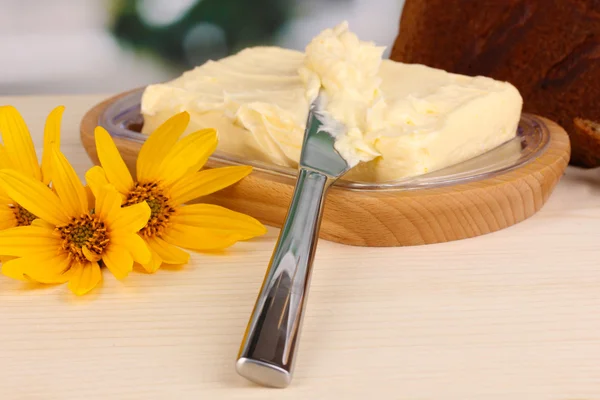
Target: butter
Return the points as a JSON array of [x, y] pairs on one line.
[[347, 70], [401, 120]]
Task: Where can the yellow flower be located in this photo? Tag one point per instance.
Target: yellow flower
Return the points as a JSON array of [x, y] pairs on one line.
[[168, 175], [67, 241], [18, 153]]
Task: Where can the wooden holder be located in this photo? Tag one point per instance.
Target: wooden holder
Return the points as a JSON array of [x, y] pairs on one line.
[[391, 218]]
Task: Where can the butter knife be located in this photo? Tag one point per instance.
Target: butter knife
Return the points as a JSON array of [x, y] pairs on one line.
[[270, 344]]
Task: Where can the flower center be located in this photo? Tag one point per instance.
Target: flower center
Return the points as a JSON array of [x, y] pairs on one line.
[[23, 217], [86, 231], [160, 207]]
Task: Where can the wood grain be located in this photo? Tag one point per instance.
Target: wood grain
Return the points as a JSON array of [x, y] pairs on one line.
[[509, 315], [384, 219]]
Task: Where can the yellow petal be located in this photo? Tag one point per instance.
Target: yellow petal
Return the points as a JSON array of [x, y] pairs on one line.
[[90, 255], [96, 179], [219, 219], [7, 217], [112, 162], [51, 140], [158, 144], [208, 152], [167, 252], [18, 143], [42, 224], [194, 238], [26, 240], [205, 182], [84, 277], [4, 164], [4, 199], [34, 196], [210, 227], [15, 268], [131, 219], [184, 157], [67, 185], [4, 160], [154, 264], [90, 197], [55, 269], [118, 261], [135, 245], [19, 267], [108, 203]]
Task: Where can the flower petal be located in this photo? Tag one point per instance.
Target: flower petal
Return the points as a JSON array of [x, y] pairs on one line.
[[84, 277], [136, 246], [167, 252], [67, 185], [118, 261], [18, 267], [34, 196], [4, 199], [194, 238], [158, 144], [89, 255], [7, 217], [42, 224], [18, 143], [116, 171], [55, 269], [26, 240], [4, 160], [90, 197], [131, 219], [205, 182], [51, 140], [4, 164], [96, 179], [219, 219], [108, 203], [154, 264], [210, 227], [15, 268], [189, 152]]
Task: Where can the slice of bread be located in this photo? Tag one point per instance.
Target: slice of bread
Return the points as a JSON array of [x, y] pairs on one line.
[[586, 141]]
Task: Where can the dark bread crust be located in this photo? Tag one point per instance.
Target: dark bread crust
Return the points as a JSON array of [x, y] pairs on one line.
[[549, 49], [587, 135]]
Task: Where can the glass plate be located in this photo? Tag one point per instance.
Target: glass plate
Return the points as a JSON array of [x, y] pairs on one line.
[[123, 119]]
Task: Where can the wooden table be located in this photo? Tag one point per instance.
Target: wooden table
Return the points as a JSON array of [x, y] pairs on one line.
[[509, 315]]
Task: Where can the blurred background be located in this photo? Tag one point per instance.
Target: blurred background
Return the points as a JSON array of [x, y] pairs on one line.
[[108, 46]]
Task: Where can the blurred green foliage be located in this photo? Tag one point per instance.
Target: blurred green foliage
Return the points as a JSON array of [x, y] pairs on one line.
[[209, 29]]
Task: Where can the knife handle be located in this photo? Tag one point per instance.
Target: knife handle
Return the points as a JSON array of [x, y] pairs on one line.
[[269, 346]]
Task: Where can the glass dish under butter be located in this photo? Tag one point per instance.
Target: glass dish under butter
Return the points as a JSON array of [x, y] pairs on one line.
[[122, 118]]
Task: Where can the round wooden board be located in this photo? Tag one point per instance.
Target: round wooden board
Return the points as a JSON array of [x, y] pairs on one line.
[[392, 218]]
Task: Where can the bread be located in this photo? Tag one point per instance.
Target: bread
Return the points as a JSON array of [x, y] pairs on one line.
[[548, 49], [587, 137]]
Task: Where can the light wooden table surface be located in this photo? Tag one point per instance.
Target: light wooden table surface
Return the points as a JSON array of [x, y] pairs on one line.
[[510, 315]]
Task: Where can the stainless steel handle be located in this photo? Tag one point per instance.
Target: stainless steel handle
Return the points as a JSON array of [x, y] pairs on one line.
[[268, 349]]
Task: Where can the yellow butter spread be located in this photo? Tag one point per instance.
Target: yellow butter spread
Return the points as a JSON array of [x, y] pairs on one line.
[[401, 120]]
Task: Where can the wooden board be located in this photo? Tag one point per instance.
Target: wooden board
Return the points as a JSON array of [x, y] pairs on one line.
[[393, 218]]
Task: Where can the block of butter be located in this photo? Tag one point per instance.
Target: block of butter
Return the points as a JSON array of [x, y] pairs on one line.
[[401, 120]]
